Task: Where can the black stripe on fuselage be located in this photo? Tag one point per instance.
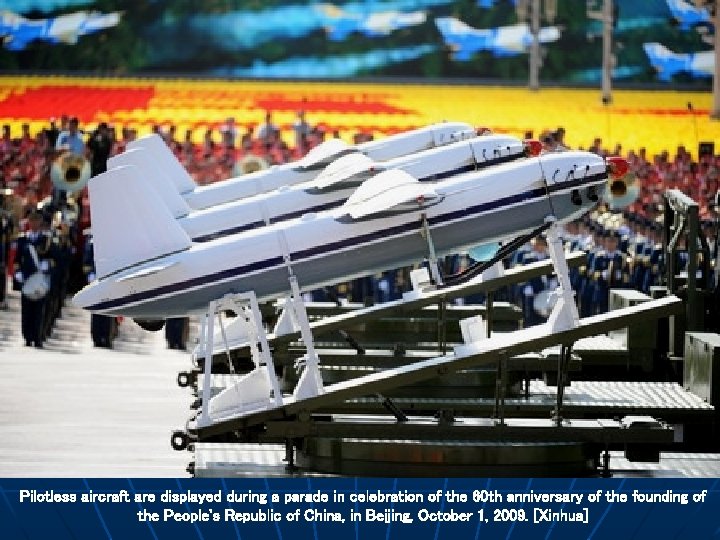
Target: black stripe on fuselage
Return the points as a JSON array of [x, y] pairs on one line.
[[334, 204]]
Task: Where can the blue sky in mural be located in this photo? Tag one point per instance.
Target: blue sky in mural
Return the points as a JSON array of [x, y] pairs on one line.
[[327, 67], [23, 6], [248, 29]]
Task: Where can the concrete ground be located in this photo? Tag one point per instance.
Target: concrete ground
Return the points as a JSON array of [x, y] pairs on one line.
[[73, 410]]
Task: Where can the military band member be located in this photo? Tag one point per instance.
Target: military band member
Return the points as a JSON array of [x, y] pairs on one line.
[[62, 250], [33, 310], [7, 230]]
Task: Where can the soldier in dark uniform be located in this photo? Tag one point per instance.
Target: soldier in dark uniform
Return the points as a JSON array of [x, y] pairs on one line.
[[608, 272], [100, 145], [32, 311], [363, 290], [709, 231], [176, 333], [51, 299], [572, 241], [62, 251], [637, 250], [515, 291], [656, 257], [7, 229], [588, 281], [102, 327], [385, 291]]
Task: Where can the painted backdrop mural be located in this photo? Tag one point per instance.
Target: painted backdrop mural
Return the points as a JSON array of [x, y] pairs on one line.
[[656, 40]]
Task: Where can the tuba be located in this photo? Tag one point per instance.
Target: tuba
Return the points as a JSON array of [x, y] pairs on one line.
[[622, 192], [70, 172], [250, 164]]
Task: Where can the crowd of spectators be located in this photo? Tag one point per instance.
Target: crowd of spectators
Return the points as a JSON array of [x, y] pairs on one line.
[[623, 244], [27, 158], [33, 206]]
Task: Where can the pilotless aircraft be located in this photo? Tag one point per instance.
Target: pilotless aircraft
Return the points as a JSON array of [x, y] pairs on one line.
[[327, 190], [384, 224], [199, 197]]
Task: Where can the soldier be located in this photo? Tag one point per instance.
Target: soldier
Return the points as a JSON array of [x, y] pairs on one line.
[[709, 231], [515, 292], [608, 271], [33, 255], [7, 229], [102, 327], [53, 296], [640, 250], [176, 333], [587, 282], [63, 251], [655, 265], [537, 285], [100, 145]]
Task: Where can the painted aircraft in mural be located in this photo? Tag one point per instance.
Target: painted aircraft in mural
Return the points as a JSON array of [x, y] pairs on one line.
[[465, 41], [668, 63], [18, 32], [688, 16], [339, 24]]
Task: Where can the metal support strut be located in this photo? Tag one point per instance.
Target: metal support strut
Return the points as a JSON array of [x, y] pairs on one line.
[[290, 456], [310, 383], [244, 394], [432, 257], [564, 315], [500, 386], [562, 370]]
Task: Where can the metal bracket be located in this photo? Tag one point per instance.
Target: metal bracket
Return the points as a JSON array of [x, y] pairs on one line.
[[562, 374], [432, 257], [392, 407], [500, 385], [565, 314], [310, 383], [245, 305]]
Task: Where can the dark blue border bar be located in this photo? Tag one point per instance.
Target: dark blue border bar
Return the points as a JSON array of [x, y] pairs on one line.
[[284, 519]]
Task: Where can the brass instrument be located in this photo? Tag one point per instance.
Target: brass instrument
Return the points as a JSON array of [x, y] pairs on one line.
[[622, 191], [70, 172], [250, 164]]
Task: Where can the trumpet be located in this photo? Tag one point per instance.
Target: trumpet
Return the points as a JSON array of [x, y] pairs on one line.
[[70, 172]]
